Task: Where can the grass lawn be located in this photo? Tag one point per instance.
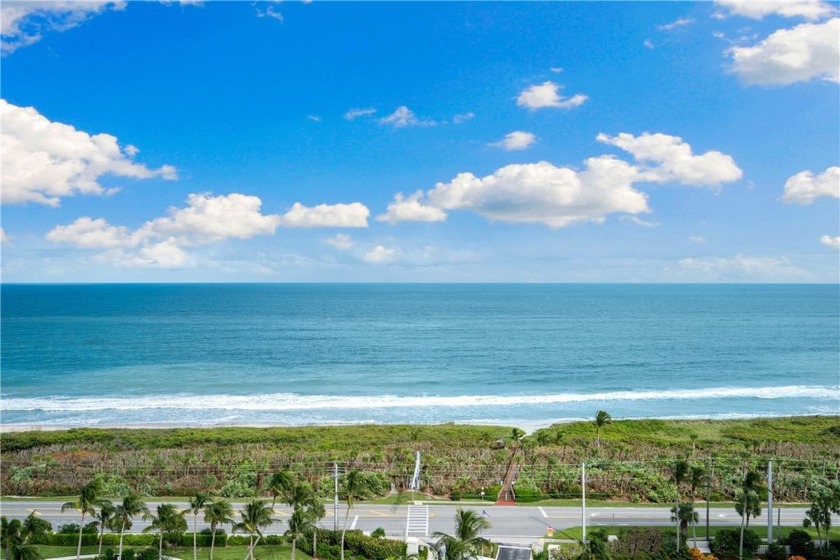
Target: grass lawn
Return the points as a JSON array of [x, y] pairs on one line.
[[59, 551], [263, 552], [698, 505], [577, 532]]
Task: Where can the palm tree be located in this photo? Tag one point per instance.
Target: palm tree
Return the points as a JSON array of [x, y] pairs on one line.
[[602, 418], [106, 512], [748, 504], [16, 536], [696, 477], [217, 512], [166, 518], [467, 538], [280, 484], [197, 503], [35, 528], [301, 497], [314, 512], [683, 514], [123, 514], [11, 534], [679, 471], [297, 525], [86, 503], [354, 485], [255, 516]]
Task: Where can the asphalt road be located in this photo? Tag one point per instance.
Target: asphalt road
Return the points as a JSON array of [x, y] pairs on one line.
[[509, 524]]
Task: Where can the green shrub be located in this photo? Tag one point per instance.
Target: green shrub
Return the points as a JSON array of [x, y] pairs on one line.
[[776, 552], [725, 543], [800, 543]]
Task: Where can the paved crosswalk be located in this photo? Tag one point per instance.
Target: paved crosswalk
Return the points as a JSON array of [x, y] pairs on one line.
[[417, 521]]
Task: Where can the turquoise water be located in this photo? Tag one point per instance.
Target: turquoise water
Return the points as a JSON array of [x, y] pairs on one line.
[[309, 354]]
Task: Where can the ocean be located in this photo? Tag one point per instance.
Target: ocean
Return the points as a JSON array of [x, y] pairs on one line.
[[525, 355]]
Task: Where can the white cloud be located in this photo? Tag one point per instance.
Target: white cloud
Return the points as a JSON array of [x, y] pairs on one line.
[[87, 233], [356, 113], [640, 222], [808, 9], [556, 69], [379, 255], [23, 23], [164, 254], [649, 44], [516, 140], [340, 241], [160, 242], [463, 117], [314, 118], [403, 117], [804, 187], [806, 52], [828, 241], [270, 12], [680, 22], [353, 215], [411, 210], [4, 239], [560, 196], [740, 268], [697, 239], [674, 161], [546, 194], [44, 160], [208, 219], [546, 95]]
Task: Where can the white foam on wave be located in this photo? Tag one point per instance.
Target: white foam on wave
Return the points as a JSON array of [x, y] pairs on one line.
[[293, 401]]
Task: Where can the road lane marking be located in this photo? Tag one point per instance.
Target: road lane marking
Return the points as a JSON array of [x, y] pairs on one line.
[[355, 519], [542, 511]]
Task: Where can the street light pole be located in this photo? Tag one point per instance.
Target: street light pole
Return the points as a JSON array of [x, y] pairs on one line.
[[583, 496], [335, 502]]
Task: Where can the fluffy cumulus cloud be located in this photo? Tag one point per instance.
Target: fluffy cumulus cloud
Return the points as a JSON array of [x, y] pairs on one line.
[[829, 241], [44, 160], [516, 140], [208, 219], [205, 219], [808, 9], [546, 95], [809, 51], [560, 196], [23, 23], [353, 215], [805, 187], [411, 209], [379, 255], [672, 159]]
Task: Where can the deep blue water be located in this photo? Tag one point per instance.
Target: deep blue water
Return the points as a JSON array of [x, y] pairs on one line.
[[521, 354]]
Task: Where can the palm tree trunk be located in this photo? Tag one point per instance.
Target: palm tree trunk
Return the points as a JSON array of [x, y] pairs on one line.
[[741, 541], [160, 546], [294, 542], [101, 534], [81, 526], [195, 544], [344, 530], [314, 542], [122, 530], [212, 539]]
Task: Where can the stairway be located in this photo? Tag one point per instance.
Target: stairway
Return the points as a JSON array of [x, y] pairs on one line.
[[506, 495]]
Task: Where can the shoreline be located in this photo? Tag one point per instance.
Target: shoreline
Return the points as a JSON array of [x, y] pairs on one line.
[[529, 426]]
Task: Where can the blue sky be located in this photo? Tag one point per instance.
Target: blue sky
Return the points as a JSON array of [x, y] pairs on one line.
[[442, 142]]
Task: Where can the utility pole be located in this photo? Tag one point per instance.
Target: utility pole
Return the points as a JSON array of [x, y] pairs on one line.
[[769, 502], [335, 502], [583, 502], [708, 482]]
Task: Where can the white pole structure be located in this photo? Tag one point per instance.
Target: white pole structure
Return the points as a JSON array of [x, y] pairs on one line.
[[769, 502], [583, 495], [335, 502]]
